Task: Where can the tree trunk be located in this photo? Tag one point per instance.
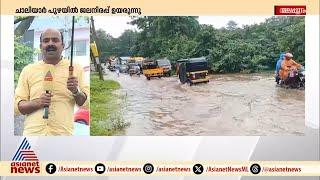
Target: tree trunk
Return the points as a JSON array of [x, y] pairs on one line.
[[23, 26]]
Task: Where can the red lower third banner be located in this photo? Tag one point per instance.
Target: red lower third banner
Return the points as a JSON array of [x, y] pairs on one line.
[[117, 168], [290, 10]]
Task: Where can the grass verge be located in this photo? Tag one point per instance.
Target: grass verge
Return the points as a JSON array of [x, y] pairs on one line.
[[105, 107]]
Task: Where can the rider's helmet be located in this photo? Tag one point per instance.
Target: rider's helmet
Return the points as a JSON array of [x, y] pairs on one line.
[[289, 55]]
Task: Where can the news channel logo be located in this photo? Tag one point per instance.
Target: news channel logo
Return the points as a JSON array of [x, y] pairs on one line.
[[25, 160]]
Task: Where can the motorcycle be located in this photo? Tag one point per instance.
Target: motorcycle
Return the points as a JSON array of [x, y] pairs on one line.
[[295, 80]]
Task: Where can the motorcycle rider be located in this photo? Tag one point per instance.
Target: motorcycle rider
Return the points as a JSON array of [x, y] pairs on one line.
[[287, 65], [278, 67]]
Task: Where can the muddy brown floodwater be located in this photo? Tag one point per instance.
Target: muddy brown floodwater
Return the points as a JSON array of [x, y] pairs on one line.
[[230, 104]]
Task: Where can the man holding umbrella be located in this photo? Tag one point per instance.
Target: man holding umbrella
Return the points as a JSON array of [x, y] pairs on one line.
[[46, 91]]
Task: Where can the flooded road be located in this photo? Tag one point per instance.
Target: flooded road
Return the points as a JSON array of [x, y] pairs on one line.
[[231, 104]]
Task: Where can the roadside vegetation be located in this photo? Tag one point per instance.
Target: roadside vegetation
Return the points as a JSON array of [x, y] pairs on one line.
[[106, 105], [23, 55], [232, 49]]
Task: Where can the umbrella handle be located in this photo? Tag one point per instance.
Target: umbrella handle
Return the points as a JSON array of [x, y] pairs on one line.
[[70, 71]]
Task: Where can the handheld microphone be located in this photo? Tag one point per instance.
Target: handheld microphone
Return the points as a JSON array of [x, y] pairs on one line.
[[47, 85]]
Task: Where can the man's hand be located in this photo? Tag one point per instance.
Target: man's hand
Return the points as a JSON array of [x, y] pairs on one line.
[[28, 107], [45, 100], [72, 84]]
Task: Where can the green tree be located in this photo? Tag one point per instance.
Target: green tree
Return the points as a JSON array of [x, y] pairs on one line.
[[24, 24], [106, 44], [231, 25], [23, 55], [125, 43], [157, 32], [231, 49]]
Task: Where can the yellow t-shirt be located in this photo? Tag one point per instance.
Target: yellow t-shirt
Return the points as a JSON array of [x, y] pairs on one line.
[[31, 86]]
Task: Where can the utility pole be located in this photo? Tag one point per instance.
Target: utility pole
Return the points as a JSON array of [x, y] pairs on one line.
[[95, 40]]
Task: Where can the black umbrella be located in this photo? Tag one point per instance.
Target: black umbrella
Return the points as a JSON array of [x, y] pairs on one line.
[[72, 39]]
